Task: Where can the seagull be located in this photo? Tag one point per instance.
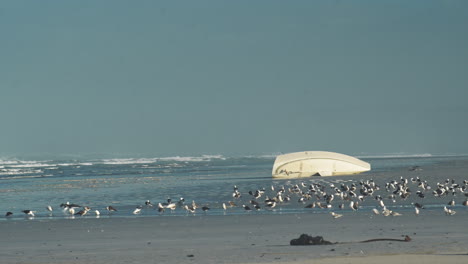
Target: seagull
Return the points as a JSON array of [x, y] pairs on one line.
[[97, 212], [381, 203], [110, 208], [246, 207], [376, 212], [29, 212], [148, 203], [449, 211], [49, 208], [416, 210], [84, 211], [190, 208], [68, 205], [137, 210], [181, 202], [160, 208], [451, 203], [71, 211], [395, 214], [386, 212], [224, 206], [169, 200], [171, 206], [335, 215]]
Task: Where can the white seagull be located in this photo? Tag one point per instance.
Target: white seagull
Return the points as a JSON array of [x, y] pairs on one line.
[[449, 211], [335, 215]]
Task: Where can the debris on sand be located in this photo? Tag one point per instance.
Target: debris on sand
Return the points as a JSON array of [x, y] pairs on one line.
[[305, 240]]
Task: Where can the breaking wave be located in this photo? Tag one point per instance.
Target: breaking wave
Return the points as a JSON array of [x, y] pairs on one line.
[[126, 161]]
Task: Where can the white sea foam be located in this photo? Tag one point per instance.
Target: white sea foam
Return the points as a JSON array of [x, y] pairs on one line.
[[395, 155], [155, 160], [75, 164], [18, 171], [31, 165], [128, 161], [264, 156], [193, 159], [25, 177]]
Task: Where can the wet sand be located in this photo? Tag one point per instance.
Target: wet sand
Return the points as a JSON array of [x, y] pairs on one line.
[[246, 238], [231, 239]]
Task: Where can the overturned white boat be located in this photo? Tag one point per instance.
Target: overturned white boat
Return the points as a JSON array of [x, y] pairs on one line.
[[317, 163]]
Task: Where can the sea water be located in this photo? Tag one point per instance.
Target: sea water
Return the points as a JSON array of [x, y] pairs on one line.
[[207, 180]]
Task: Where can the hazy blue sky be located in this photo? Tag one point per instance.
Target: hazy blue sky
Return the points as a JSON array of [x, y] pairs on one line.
[[233, 77]]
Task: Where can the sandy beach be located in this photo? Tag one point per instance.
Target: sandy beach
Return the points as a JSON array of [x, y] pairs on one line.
[[245, 238], [234, 239]]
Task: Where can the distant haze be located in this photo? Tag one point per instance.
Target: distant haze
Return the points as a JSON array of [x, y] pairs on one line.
[[166, 78]]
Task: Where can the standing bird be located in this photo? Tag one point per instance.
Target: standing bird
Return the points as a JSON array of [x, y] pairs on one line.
[[49, 208], [181, 202], [160, 208], [271, 204], [171, 206], [29, 212], [381, 203], [110, 208], [190, 208], [8, 214], [451, 203], [84, 211], [465, 203], [71, 211], [246, 208], [137, 210]]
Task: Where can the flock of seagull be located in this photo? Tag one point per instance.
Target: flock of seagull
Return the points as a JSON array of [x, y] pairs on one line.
[[324, 195]]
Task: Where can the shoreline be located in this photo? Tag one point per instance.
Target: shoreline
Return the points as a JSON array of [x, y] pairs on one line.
[[248, 237], [230, 239]]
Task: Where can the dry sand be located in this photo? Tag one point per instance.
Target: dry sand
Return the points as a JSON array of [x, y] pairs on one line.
[[249, 238]]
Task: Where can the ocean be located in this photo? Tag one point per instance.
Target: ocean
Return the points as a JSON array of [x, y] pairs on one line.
[[207, 180]]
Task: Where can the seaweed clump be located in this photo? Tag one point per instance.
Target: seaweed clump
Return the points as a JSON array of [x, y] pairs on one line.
[[306, 240]]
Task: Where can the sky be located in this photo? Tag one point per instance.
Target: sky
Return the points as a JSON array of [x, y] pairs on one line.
[[160, 78]]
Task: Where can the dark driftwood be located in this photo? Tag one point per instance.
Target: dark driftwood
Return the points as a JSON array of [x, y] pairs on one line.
[[306, 240]]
